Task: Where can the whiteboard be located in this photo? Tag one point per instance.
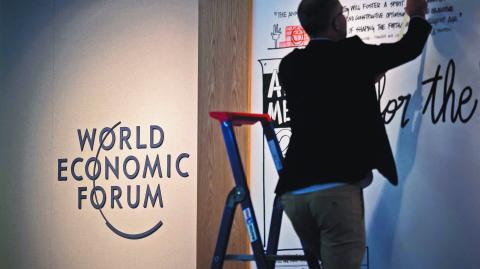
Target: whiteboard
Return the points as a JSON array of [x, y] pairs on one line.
[[430, 108]]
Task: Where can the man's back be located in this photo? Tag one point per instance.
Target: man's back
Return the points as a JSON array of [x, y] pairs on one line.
[[338, 132]]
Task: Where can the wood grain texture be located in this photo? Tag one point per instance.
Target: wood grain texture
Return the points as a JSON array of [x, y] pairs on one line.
[[224, 40]]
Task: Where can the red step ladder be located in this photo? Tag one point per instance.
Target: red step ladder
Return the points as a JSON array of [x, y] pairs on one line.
[[240, 194]]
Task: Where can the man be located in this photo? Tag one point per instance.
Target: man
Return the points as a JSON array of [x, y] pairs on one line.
[[338, 132]]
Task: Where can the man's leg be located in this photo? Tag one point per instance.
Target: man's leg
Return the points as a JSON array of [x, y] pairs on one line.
[[342, 227], [331, 224], [297, 209]]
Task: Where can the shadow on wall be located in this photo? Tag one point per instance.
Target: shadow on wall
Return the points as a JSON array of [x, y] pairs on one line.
[[448, 185], [26, 70], [381, 233]]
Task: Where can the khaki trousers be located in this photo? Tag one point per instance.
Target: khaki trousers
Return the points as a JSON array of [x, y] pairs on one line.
[[331, 224]]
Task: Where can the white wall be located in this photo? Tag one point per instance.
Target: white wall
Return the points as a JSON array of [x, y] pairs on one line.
[[69, 65]]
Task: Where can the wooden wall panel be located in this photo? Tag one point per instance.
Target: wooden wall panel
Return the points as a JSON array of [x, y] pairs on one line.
[[224, 40]]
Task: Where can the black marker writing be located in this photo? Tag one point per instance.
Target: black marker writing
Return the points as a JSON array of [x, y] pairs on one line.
[[462, 106], [389, 111], [448, 96]]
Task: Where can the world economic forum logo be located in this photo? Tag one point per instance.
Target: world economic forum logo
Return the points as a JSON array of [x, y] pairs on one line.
[[121, 171]]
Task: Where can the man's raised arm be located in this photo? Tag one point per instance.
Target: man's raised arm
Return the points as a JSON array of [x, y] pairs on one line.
[[383, 57]]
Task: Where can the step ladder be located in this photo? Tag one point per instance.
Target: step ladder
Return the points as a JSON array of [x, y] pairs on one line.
[[240, 194]]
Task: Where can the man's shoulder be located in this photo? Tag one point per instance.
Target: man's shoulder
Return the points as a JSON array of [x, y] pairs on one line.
[[354, 41], [290, 58], [292, 55]]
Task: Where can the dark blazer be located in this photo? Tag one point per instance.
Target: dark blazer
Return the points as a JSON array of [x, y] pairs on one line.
[[338, 133]]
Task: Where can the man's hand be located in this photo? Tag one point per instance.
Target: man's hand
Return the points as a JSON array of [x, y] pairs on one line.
[[416, 8]]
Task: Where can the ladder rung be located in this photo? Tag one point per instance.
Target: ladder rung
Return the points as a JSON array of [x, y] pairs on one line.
[[239, 257], [245, 257]]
